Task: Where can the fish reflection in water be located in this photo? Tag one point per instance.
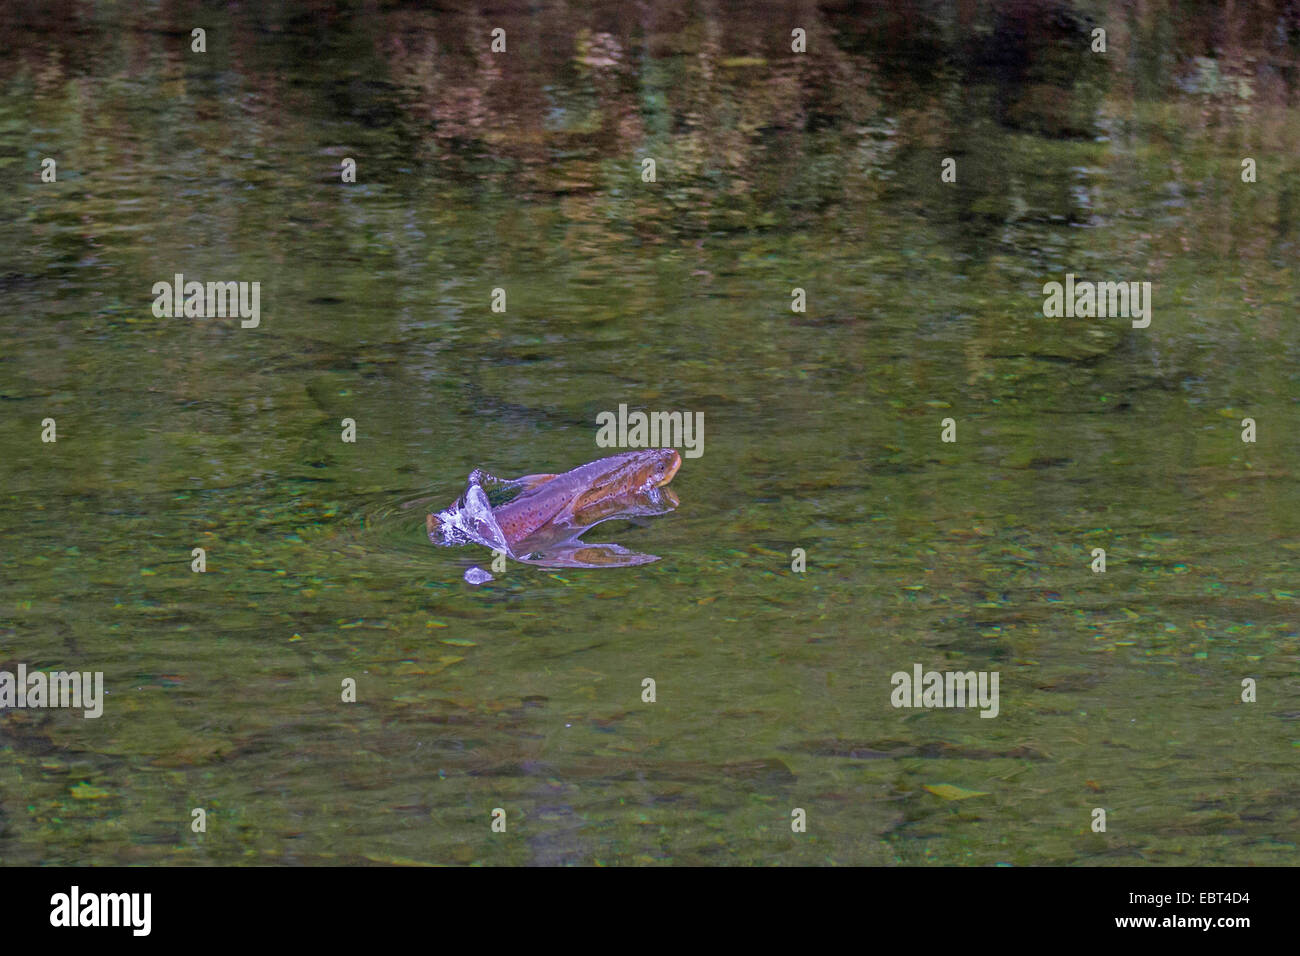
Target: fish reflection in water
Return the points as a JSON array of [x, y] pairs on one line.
[[540, 519]]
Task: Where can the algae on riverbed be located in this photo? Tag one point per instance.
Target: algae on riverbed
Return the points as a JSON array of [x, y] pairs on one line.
[[774, 171]]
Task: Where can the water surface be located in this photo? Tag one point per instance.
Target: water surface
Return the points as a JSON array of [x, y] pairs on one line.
[[522, 171]]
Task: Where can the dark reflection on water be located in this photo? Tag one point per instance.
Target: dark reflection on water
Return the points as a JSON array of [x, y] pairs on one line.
[[774, 171]]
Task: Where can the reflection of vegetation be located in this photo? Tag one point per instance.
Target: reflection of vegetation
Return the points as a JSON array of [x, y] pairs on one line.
[[524, 171], [745, 132]]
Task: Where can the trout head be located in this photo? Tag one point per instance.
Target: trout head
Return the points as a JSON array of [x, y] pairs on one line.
[[629, 474]]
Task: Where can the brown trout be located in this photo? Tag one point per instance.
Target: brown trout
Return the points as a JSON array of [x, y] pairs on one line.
[[543, 520]]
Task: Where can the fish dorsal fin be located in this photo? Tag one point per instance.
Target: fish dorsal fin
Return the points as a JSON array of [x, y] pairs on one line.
[[529, 482]]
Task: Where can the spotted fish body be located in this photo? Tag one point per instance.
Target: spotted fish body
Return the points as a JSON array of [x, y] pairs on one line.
[[552, 499]]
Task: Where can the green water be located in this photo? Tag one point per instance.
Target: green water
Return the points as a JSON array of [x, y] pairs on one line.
[[523, 171]]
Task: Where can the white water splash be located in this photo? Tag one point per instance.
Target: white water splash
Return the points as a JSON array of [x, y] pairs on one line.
[[477, 575], [471, 521]]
